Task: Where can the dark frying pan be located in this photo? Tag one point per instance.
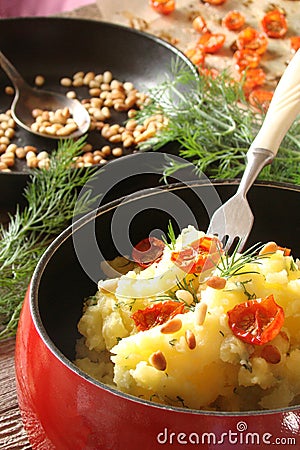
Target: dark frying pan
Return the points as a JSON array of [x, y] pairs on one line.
[[57, 47]]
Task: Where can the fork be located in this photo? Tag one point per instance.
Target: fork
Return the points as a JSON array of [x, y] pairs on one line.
[[233, 221]]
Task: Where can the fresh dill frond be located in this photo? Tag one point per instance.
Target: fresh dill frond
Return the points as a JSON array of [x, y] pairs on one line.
[[51, 196], [171, 236], [234, 264], [248, 294], [214, 125]]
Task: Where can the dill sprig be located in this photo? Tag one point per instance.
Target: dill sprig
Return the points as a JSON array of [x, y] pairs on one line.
[[234, 264], [185, 284], [51, 196], [171, 236], [214, 125]]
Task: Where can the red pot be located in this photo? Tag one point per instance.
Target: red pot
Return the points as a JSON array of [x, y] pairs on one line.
[[64, 409]]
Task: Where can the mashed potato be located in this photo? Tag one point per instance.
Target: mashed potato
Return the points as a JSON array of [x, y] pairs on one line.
[[196, 359]]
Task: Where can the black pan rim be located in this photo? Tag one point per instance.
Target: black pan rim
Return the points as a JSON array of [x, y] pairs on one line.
[[57, 21]]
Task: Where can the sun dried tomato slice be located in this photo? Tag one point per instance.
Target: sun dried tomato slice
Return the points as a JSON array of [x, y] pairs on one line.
[[246, 58], [256, 321], [199, 256], [254, 78], [286, 251], [295, 43], [233, 20], [214, 2], [163, 6], [211, 42], [274, 24], [252, 39], [260, 98], [148, 251], [199, 24], [156, 314], [196, 55]]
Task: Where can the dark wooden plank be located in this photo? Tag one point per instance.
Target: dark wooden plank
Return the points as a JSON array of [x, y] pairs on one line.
[[12, 433]]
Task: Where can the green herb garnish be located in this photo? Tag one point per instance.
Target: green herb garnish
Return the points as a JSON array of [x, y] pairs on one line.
[[171, 236], [51, 196], [246, 292], [214, 125], [232, 265]]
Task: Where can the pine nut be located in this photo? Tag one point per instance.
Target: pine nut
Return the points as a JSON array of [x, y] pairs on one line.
[[4, 117], [158, 360], [39, 80], [42, 155], [216, 282], [115, 139], [32, 162], [3, 148], [8, 159], [117, 151], [107, 76], [106, 150], [128, 142], [12, 148], [184, 296], [94, 92], [144, 136], [97, 159], [9, 90], [105, 86], [20, 153], [77, 82], [30, 154], [89, 76], [67, 129], [128, 86], [171, 326], [3, 166], [79, 74], [44, 163], [271, 354], [9, 132], [200, 313], [106, 112], [30, 148], [66, 82], [4, 140], [87, 148], [88, 158], [71, 94], [131, 113], [190, 339], [116, 84]]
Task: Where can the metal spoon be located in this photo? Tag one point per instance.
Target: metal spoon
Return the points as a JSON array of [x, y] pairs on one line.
[[28, 98]]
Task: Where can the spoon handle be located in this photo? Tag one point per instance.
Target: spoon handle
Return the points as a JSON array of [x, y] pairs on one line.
[[11, 72]]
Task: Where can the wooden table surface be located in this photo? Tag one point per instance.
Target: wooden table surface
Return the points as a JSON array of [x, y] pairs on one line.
[[12, 434]]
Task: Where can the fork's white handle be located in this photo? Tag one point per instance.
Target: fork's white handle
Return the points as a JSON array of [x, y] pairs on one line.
[[283, 109]]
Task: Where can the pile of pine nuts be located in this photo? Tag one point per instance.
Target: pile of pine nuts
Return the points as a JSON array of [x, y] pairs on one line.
[[53, 123], [105, 94]]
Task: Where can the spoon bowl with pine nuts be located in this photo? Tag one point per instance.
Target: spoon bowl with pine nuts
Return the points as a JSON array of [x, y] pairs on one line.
[[43, 112]]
